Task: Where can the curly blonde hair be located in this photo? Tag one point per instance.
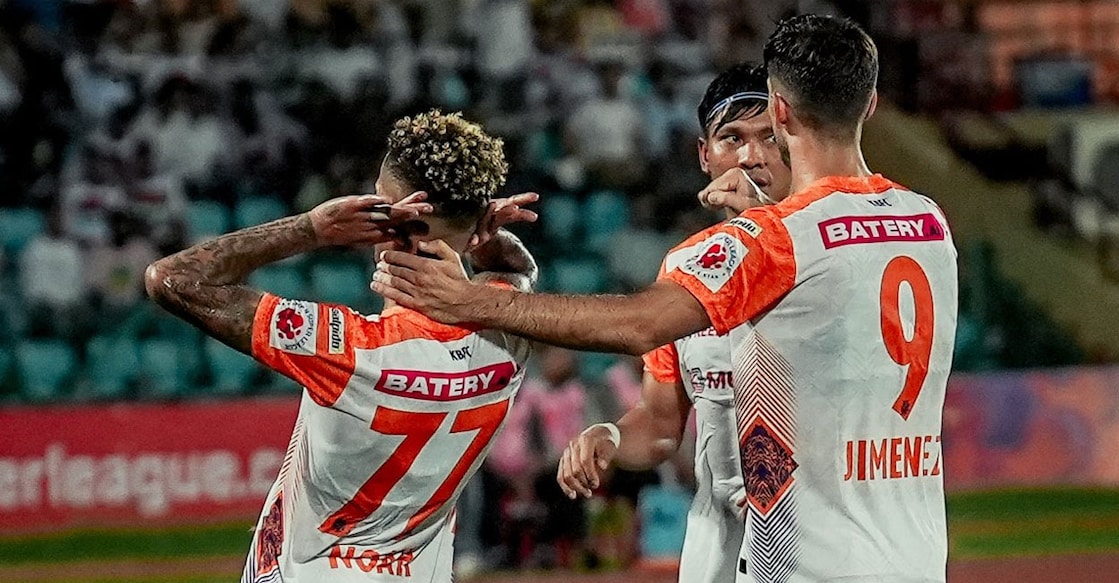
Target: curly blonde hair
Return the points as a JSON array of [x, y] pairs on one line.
[[457, 163]]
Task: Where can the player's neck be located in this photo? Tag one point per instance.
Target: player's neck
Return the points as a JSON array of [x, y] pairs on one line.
[[813, 159]]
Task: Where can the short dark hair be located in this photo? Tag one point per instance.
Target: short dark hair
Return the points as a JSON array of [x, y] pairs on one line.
[[719, 107], [830, 66], [455, 161]]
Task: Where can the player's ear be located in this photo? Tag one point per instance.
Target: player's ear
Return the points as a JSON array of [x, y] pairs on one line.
[[701, 148], [782, 110], [873, 105]]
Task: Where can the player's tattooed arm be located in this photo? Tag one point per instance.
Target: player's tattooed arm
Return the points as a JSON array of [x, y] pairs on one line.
[[205, 286]]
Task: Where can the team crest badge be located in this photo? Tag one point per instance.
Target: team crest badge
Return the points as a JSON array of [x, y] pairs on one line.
[[293, 327]]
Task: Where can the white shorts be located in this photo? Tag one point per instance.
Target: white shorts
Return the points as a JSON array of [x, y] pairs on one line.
[[354, 564], [711, 546]]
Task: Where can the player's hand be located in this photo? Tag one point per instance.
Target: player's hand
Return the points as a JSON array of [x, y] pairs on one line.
[[501, 212], [432, 286], [365, 219], [733, 190], [732, 491], [583, 463]]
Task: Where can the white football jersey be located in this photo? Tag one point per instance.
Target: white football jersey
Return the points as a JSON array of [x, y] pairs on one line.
[[702, 364], [398, 412], [840, 302]]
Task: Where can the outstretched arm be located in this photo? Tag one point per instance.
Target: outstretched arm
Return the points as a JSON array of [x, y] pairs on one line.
[[205, 286], [632, 324], [650, 433]]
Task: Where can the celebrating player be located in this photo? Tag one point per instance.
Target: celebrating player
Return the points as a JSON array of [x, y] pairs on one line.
[[398, 410], [737, 148], [840, 302]]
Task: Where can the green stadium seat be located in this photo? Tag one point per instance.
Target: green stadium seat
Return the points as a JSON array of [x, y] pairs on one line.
[[18, 227], [578, 276], [664, 516], [207, 219], [604, 213], [230, 371], [593, 365], [343, 283], [163, 367], [112, 363], [255, 210], [282, 280], [42, 367], [6, 360], [559, 214], [165, 325]]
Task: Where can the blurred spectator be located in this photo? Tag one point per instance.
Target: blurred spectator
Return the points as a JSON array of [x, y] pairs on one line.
[[503, 32], [96, 90], [624, 380], [11, 77], [51, 281], [542, 526], [115, 271], [606, 133], [651, 17], [665, 113], [88, 200], [157, 201], [342, 61]]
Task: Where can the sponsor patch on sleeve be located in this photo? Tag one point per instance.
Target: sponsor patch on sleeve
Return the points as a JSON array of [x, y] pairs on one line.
[[711, 261], [293, 327], [749, 226], [336, 343]]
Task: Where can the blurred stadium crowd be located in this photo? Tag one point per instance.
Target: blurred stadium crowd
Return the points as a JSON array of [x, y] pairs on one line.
[[131, 129]]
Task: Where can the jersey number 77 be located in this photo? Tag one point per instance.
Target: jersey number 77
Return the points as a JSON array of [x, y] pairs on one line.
[[418, 429]]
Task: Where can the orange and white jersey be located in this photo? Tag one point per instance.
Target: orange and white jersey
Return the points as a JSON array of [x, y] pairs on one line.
[[840, 302], [398, 412], [702, 364]]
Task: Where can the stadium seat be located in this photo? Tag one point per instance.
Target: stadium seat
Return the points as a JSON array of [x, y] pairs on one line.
[[230, 371], [207, 219], [593, 365], [1105, 177], [5, 367], [19, 226], [578, 276], [42, 367], [283, 280], [560, 216], [1059, 152], [162, 366], [170, 327], [343, 283], [664, 516], [112, 363], [604, 213], [252, 211]]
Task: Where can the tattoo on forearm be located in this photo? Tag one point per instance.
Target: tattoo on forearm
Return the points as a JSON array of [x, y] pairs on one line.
[[204, 284]]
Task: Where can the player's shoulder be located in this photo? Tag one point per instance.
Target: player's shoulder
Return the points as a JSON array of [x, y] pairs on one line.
[[399, 324]]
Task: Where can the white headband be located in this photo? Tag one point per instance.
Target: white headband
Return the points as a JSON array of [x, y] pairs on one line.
[[726, 103]]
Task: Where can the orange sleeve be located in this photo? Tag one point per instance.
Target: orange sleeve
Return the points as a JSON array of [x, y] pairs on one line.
[[311, 343], [737, 269], [664, 364]]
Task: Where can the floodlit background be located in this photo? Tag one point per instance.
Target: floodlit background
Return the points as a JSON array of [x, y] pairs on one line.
[[133, 449]]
